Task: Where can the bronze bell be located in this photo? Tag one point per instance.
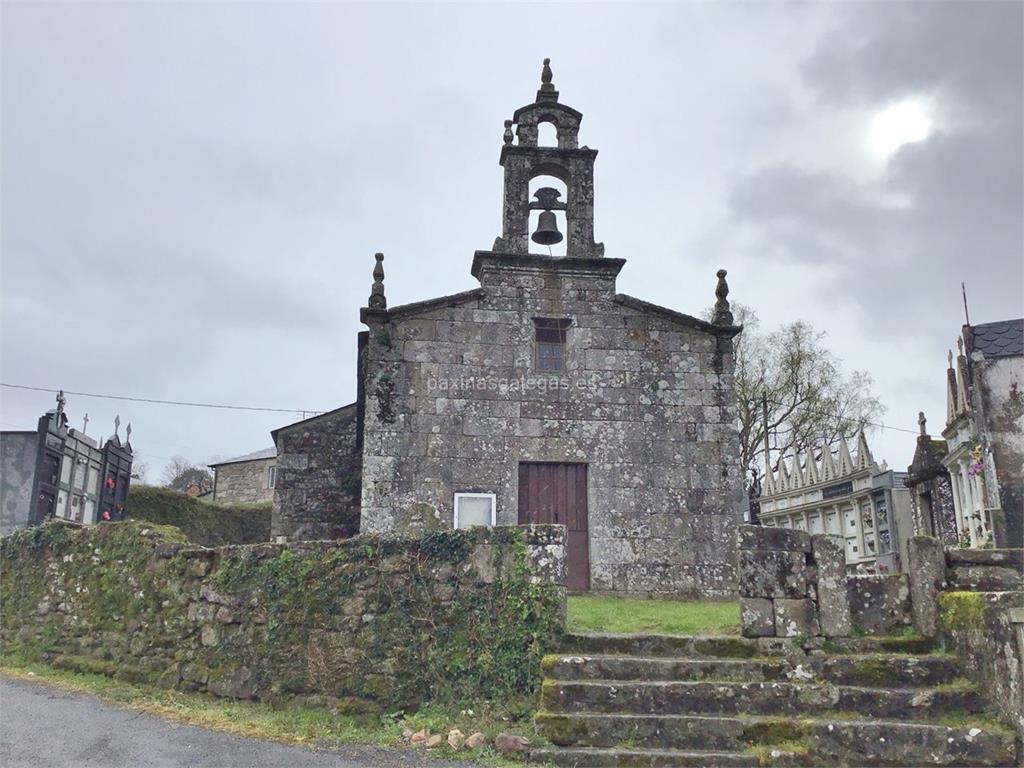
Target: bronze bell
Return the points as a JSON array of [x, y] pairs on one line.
[[547, 229]]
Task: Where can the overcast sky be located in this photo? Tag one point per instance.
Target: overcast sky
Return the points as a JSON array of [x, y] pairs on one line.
[[193, 192]]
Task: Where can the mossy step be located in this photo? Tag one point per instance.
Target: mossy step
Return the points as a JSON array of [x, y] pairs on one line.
[[761, 698], [968, 578], [904, 644], [889, 670], [613, 667], [827, 741], [660, 645], [630, 758], [881, 670], [712, 646]]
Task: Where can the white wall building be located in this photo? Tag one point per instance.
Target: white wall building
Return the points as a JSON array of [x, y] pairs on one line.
[[843, 494]]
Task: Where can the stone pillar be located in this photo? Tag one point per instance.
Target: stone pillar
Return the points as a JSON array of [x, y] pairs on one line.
[[833, 603], [927, 573], [775, 583]]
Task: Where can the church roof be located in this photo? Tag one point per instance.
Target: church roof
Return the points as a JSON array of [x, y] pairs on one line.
[[1000, 339]]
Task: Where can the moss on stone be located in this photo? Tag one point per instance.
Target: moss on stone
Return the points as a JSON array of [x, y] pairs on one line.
[[961, 611], [395, 621], [774, 731]]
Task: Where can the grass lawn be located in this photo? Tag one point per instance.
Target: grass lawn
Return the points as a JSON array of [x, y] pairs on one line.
[[591, 613]]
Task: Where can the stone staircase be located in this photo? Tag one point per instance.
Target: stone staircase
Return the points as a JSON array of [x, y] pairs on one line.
[[614, 700]]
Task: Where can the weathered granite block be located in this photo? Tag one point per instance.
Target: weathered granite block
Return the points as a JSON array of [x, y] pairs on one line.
[[833, 603], [1003, 557], [795, 617], [772, 573], [879, 604], [757, 617], [925, 574], [764, 537], [984, 578]]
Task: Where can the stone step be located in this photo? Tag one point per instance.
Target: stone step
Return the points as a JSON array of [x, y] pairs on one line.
[[824, 741], [695, 646], [629, 758], [880, 670], [723, 698], [972, 578], [660, 645], [610, 667], [1012, 558]]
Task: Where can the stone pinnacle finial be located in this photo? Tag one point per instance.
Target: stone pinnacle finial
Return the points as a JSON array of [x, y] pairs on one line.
[[545, 77], [922, 422], [377, 299], [128, 432], [960, 345], [508, 132], [61, 402], [949, 357], [117, 424], [723, 315]]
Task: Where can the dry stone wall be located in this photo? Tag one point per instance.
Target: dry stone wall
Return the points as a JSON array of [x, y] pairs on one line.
[[318, 477], [793, 584], [393, 622]]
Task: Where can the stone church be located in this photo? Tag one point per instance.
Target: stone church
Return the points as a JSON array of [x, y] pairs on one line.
[[542, 396]]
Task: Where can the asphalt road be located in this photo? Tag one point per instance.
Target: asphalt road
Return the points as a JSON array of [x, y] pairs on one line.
[[41, 726]]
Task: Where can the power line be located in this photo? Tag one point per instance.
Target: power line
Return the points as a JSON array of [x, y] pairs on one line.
[[837, 416], [303, 411]]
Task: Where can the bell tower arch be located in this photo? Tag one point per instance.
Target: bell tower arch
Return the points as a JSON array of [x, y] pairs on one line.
[[523, 160]]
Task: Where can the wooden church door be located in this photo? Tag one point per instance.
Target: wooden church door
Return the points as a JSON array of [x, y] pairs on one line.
[[557, 493]]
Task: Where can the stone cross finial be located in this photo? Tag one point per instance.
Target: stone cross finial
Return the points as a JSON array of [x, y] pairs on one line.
[[85, 423], [723, 315], [377, 299], [61, 401], [922, 422], [545, 77], [508, 132]]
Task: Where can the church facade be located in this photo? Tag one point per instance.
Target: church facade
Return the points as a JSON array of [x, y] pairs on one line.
[[545, 396]]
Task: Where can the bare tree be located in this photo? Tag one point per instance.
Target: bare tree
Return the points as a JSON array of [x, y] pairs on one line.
[[181, 474], [811, 401]]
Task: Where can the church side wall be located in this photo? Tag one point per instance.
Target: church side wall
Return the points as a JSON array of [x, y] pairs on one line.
[[645, 401], [318, 478]]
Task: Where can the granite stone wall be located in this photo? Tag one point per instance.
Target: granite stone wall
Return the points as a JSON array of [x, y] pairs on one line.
[[387, 621], [794, 584], [318, 477], [980, 617], [454, 403], [244, 482]]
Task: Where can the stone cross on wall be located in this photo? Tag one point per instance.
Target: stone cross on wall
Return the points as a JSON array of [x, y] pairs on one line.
[[922, 422]]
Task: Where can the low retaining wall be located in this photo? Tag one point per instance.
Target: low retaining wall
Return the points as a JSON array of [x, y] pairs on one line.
[[795, 584], [394, 621], [973, 599]]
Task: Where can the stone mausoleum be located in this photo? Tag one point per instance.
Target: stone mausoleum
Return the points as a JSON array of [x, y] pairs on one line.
[[541, 396], [967, 489]]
